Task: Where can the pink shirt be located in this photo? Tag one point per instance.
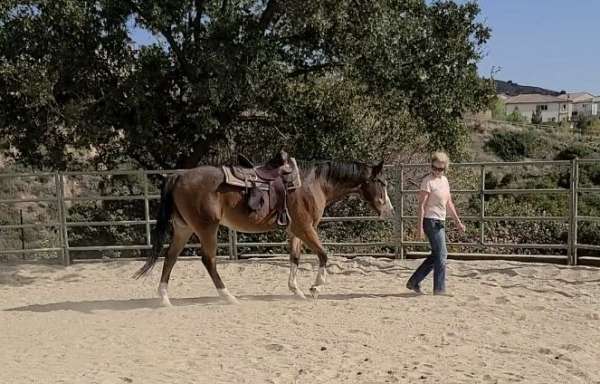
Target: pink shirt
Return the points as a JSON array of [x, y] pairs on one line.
[[439, 195]]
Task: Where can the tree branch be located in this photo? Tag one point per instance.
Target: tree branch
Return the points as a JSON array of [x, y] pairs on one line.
[[199, 6], [224, 6], [179, 55], [268, 14], [313, 68], [166, 32]]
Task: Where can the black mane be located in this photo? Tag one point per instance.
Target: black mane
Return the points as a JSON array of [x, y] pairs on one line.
[[344, 172]]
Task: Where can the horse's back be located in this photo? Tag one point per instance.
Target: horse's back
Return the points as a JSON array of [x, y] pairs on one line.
[[206, 177]]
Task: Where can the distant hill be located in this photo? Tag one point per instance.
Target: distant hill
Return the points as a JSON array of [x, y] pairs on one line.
[[514, 89]]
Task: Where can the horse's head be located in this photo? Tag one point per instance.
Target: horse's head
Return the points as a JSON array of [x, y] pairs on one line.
[[374, 191]]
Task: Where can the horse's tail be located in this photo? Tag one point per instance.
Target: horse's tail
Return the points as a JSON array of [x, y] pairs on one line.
[[165, 211]]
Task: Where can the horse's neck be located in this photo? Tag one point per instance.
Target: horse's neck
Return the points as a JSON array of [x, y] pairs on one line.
[[336, 191]]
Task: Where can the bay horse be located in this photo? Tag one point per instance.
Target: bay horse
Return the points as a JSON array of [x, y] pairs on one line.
[[198, 201]]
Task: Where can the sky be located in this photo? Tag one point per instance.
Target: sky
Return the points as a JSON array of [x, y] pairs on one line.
[[552, 44]]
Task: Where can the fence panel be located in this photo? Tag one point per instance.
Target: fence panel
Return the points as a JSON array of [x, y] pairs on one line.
[[482, 191]]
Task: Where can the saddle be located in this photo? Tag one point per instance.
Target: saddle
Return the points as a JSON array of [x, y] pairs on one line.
[[266, 185]]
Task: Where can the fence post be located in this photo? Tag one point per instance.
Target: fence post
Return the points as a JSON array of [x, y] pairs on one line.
[[146, 209], [573, 217], [62, 216], [482, 213], [233, 255], [576, 215], [401, 213], [22, 232]]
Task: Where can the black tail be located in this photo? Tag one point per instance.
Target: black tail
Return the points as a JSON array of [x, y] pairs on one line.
[[161, 230]]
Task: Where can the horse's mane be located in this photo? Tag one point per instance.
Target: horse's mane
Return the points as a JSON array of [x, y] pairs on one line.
[[343, 172]]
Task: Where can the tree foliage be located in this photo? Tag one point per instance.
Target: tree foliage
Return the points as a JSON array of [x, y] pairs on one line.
[[536, 117], [513, 145], [333, 78]]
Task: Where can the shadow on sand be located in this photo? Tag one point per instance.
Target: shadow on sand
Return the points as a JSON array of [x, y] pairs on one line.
[[89, 306]]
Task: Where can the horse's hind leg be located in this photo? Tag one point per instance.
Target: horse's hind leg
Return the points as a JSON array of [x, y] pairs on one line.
[[294, 246], [208, 238], [181, 234]]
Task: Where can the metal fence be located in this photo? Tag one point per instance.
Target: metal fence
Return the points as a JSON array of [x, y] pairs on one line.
[[404, 179]]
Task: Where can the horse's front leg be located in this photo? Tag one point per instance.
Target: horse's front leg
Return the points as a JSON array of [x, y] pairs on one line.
[[294, 246], [311, 239]]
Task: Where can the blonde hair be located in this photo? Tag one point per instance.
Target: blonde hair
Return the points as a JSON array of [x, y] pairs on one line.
[[440, 156]]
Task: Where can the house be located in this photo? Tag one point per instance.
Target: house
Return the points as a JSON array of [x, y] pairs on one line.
[[583, 103], [552, 108]]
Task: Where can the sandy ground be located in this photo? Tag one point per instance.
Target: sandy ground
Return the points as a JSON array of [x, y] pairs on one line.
[[506, 322]]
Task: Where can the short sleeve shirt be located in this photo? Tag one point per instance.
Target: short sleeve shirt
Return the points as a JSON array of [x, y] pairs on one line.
[[439, 195]]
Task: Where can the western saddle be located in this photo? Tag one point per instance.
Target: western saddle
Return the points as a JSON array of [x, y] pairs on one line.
[[266, 185]]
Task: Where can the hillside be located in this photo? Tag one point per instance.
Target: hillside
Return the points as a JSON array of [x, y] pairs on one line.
[[513, 89]]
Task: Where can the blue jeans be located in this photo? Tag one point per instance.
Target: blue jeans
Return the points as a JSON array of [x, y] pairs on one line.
[[436, 234]]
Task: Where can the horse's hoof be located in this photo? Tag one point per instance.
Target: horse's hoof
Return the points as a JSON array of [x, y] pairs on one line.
[[299, 294], [231, 300], [314, 291], [165, 302], [228, 297]]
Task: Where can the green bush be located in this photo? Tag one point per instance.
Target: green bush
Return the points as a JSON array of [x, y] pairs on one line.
[[512, 146], [515, 117], [574, 151], [491, 181], [536, 117], [586, 124]]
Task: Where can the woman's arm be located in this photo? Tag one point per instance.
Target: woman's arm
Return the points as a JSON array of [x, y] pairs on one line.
[[422, 197], [454, 215]]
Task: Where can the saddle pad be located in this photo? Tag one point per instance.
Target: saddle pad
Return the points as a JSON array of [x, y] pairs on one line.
[[232, 179]]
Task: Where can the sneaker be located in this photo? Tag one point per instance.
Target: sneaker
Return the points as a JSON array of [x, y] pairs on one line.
[[414, 288]]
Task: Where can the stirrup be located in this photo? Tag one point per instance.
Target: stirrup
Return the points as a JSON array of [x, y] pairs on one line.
[[283, 219]]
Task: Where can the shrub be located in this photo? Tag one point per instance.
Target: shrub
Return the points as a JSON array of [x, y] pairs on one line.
[[536, 117], [515, 117], [512, 146], [574, 151]]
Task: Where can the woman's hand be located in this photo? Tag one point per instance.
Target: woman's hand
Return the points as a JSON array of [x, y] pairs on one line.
[[461, 227], [420, 232]]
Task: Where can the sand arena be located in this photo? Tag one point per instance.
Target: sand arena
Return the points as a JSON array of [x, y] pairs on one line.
[[506, 322]]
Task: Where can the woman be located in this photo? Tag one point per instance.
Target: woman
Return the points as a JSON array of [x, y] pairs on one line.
[[434, 199]]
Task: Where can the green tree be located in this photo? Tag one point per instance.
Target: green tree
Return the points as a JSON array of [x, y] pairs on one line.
[[328, 79], [536, 117], [498, 109]]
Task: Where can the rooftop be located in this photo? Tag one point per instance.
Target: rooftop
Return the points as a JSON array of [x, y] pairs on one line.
[[533, 98]]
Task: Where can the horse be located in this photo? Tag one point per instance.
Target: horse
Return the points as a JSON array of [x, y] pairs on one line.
[[198, 201]]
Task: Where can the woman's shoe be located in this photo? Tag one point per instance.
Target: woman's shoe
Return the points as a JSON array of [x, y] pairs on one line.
[[414, 288]]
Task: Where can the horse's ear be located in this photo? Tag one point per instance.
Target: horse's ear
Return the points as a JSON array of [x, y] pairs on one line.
[[376, 170], [283, 155]]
